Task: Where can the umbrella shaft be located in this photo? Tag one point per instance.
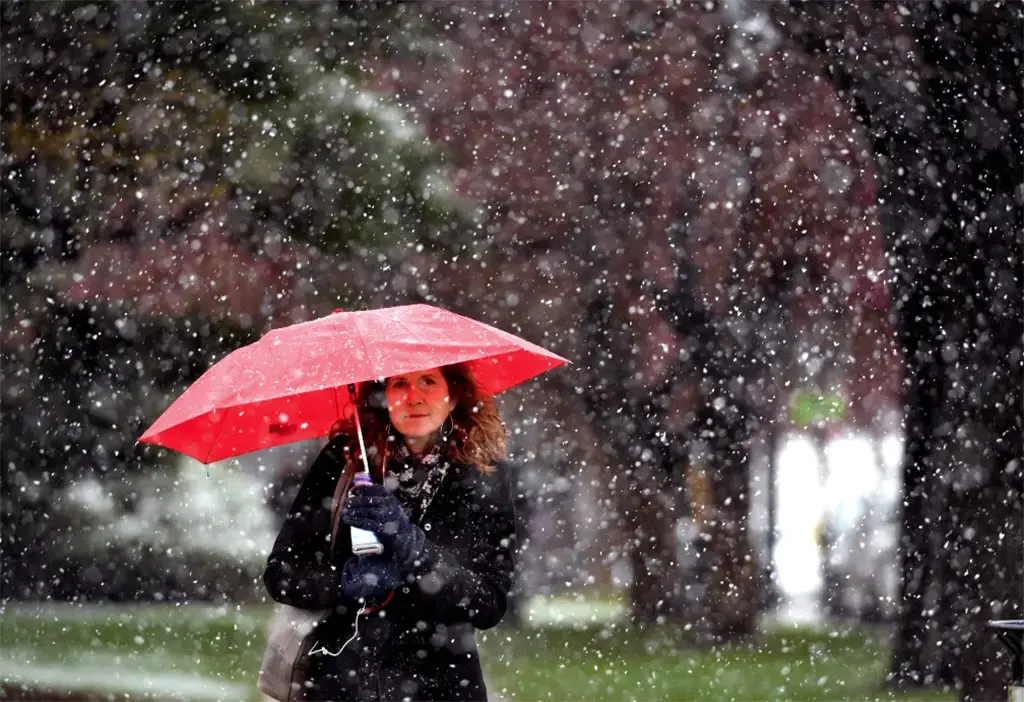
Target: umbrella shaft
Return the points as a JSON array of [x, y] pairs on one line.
[[359, 428]]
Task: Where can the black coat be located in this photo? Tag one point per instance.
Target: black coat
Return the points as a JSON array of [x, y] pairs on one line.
[[421, 645]]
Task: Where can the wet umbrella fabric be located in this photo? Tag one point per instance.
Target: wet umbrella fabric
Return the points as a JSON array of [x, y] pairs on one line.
[[292, 384]]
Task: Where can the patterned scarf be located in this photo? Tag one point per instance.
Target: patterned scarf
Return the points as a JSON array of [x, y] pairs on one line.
[[415, 479]]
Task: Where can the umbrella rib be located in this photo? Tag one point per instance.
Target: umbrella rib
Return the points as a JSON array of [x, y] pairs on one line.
[[220, 429], [366, 353], [409, 331], [420, 339]]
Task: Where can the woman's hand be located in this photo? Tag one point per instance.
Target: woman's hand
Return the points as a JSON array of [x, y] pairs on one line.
[[370, 578], [374, 508]]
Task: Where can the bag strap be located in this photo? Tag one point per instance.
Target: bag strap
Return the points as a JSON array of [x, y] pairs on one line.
[[339, 492]]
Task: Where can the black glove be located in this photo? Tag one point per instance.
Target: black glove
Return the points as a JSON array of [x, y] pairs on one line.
[[373, 508], [370, 578]]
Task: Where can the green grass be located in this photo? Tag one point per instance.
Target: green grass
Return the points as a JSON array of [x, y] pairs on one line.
[[144, 652], [204, 653], [602, 663]]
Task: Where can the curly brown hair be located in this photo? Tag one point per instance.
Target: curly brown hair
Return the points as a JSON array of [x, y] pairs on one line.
[[478, 435]]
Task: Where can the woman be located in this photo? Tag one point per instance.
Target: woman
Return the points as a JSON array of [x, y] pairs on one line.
[[403, 621]]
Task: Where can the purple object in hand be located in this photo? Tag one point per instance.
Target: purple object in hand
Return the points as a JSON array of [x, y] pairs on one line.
[[364, 543]]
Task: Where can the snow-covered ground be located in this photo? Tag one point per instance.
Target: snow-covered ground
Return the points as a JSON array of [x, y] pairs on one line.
[[111, 675]]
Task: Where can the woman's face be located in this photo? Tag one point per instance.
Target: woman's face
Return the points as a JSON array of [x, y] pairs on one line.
[[418, 403]]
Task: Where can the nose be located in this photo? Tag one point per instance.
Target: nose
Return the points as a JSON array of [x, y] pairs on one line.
[[413, 396]]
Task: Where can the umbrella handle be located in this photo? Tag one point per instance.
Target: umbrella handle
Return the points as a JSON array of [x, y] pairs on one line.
[[359, 428], [363, 542]]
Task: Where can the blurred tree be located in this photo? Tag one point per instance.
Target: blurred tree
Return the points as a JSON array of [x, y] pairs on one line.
[[938, 85], [237, 131], [214, 165], [643, 193], [81, 382]]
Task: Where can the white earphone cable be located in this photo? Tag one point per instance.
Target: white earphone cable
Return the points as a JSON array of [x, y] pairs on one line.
[[355, 633]]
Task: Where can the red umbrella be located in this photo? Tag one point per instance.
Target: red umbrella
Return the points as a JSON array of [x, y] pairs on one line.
[[293, 384]]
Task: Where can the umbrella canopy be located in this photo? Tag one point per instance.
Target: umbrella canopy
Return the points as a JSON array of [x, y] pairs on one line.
[[293, 383]]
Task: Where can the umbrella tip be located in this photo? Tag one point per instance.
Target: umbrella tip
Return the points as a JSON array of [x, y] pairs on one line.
[[337, 310]]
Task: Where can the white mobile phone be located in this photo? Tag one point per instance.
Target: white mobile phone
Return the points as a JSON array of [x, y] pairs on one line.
[[364, 543]]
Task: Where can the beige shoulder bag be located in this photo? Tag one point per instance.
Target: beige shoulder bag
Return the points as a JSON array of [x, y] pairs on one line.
[[286, 660]]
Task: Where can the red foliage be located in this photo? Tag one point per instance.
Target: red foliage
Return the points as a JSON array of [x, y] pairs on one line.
[[206, 271], [573, 134]]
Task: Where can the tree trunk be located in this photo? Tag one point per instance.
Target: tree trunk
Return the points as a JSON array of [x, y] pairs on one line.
[[653, 594], [629, 424], [732, 586], [921, 403], [946, 125]]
